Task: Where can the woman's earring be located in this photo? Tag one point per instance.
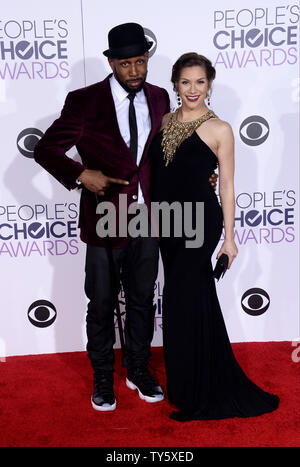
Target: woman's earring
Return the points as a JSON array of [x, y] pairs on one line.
[[208, 97], [179, 103]]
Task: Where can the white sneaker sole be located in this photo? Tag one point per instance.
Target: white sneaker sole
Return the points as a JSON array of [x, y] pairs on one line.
[[132, 386], [103, 408]]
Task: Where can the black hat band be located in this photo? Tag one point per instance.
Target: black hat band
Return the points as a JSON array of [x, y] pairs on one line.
[[128, 51]]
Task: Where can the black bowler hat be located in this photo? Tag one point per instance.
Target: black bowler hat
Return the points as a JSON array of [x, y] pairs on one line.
[[127, 40]]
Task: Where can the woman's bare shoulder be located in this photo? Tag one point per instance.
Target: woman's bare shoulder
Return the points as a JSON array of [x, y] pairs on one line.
[[221, 127]]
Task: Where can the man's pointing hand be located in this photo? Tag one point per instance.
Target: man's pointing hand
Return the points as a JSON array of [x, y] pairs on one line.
[[97, 182]]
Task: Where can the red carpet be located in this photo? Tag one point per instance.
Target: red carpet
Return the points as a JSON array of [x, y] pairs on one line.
[[45, 401]]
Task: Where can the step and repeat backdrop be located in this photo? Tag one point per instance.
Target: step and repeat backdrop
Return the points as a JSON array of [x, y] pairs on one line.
[[50, 48]]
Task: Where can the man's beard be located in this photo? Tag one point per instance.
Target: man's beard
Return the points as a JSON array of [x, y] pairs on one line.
[[127, 88]]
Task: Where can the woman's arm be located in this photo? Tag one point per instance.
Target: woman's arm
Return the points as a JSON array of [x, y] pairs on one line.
[[225, 154]]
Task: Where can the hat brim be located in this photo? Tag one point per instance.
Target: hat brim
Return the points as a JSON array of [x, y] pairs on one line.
[[129, 51]]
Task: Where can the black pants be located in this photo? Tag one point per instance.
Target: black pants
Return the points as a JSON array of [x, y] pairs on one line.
[[136, 266]]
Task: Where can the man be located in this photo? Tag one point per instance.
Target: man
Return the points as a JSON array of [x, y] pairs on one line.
[[95, 119], [112, 124]]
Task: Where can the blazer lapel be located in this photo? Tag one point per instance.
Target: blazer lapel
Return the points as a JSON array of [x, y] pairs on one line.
[[155, 122], [111, 116]]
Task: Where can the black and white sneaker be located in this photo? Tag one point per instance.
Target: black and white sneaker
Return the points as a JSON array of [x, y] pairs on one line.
[[148, 389], [103, 398]]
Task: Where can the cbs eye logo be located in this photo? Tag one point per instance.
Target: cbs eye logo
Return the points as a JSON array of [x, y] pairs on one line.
[[27, 140], [254, 130], [150, 36], [255, 301], [42, 313]]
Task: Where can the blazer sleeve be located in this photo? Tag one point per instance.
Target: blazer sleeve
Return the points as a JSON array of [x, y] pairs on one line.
[[167, 100], [64, 133]]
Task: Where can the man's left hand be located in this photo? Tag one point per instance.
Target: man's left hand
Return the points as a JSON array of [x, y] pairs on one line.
[[213, 180]]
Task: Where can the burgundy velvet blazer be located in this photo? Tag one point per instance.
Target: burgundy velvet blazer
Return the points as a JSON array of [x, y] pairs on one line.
[[88, 120]]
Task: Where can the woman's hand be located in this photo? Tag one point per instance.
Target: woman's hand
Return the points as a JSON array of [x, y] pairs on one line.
[[230, 249]]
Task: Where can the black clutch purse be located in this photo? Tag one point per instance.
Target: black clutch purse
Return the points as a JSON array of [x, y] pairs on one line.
[[221, 266]]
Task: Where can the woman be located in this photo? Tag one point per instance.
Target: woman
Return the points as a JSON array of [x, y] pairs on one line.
[[204, 380]]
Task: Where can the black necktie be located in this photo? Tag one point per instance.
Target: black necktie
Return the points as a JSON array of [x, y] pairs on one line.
[[133, 126]]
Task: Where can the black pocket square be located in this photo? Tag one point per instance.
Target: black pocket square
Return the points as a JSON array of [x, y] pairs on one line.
[[221, 266]]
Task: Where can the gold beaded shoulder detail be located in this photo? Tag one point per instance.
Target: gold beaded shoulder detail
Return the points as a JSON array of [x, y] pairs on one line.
[[176, 132]]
